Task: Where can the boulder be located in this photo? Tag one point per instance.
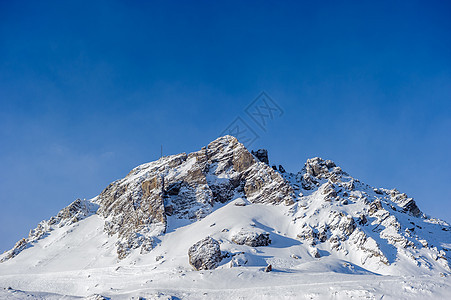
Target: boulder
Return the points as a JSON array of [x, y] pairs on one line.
[[252, 239], [268, 268], [240, 202], [205, 254]]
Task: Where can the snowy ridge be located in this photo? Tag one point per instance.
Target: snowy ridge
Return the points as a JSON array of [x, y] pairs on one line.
[[380, 229], [226, 208], [74, 212]]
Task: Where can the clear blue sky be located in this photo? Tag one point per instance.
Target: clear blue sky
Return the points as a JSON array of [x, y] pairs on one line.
[[89, 90]]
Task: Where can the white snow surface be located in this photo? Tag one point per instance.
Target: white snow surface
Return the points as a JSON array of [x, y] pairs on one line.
[[79, 261]]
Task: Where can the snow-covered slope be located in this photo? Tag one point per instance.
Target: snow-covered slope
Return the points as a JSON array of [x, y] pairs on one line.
[[324, 233]]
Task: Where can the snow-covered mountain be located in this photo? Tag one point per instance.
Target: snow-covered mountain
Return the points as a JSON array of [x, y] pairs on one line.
[[209, 223]]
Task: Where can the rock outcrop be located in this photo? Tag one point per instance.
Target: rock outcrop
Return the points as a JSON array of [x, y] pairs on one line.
[[261, 155]]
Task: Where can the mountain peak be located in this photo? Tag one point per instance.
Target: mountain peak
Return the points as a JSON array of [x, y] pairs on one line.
[[320, 210], [321, 168]]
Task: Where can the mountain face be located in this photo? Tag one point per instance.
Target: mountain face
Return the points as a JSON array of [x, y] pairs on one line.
[[228, 207], [187, 187]]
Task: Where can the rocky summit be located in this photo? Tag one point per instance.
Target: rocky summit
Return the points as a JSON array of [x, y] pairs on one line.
[[226, 207]]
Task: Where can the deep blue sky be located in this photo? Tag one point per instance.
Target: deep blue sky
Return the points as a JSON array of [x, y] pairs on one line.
[[89, 90]]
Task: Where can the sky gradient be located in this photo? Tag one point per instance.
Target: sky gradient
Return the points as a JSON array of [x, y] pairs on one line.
[[90, 90]]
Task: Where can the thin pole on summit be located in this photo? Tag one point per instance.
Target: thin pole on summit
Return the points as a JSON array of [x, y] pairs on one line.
[[161, 151]]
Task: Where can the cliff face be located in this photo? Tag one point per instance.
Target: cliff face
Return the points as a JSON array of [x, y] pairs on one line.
[[327, 210]]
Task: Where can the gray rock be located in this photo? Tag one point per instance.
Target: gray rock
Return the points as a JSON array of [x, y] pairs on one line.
[[319, 168], [375, 206], [262, 155], [406, 203], [362, 220], [240, 202], [314, 252], [308, 182], [411, 207], [252, 239], [205, 254], [174, 188], [330, 192], [347, 225], [268, 268], [307, 233]]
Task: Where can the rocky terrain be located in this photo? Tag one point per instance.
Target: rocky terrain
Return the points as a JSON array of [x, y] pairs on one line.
[[226, 207]]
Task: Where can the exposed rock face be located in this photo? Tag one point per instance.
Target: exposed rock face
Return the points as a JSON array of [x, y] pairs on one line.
[[252, 239], [205, 254], [262, 155], [134, 210]]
